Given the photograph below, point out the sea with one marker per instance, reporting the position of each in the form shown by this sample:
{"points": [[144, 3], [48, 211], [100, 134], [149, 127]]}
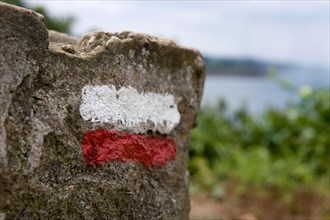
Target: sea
{"points": [[257, 93]]}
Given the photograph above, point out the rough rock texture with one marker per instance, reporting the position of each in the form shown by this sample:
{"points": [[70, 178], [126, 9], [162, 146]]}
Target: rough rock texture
{"points": [[42, 170]]}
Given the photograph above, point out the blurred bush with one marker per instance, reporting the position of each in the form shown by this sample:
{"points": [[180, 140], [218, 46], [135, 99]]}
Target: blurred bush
{"points": [[280, 149]]}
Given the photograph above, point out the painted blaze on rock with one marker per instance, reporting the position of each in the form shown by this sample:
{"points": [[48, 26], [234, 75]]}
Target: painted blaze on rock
{"points": [[105, 104], [101, 145]]}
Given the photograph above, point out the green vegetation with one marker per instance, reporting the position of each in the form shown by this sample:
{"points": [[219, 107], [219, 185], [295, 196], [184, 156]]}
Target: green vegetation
{"points": [[247, 67], [52, 23], [235, 66], [280, 149]]}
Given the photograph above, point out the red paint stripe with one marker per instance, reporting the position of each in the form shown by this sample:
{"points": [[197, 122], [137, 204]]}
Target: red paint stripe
{"points": [[102, 145]]}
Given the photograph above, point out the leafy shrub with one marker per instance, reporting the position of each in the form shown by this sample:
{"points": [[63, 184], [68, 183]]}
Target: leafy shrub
{"points": [[280, 148]]}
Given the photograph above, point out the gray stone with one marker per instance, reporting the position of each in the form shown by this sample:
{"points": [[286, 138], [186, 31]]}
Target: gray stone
{"points": [[42, 169]]}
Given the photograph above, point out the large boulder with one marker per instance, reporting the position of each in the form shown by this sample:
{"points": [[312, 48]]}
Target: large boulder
{"points": [[94, 128]]}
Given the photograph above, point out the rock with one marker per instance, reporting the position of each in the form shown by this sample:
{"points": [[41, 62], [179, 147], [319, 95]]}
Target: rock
{"points": [[44, 74]]}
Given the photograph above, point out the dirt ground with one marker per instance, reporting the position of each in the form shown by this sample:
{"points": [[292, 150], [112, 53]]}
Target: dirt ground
{"points": [[203, 207], [303, 205]]}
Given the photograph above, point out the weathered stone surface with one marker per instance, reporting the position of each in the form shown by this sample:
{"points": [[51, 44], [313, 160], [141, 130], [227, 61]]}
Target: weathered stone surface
{"points": [[42, 172]]}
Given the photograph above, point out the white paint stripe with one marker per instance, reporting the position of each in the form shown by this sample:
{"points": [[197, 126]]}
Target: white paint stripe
{"points": [[107, 105]]}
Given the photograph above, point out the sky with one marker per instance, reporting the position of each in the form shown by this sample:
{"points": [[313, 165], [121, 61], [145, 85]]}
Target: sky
{"points": [[277, 31]]}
